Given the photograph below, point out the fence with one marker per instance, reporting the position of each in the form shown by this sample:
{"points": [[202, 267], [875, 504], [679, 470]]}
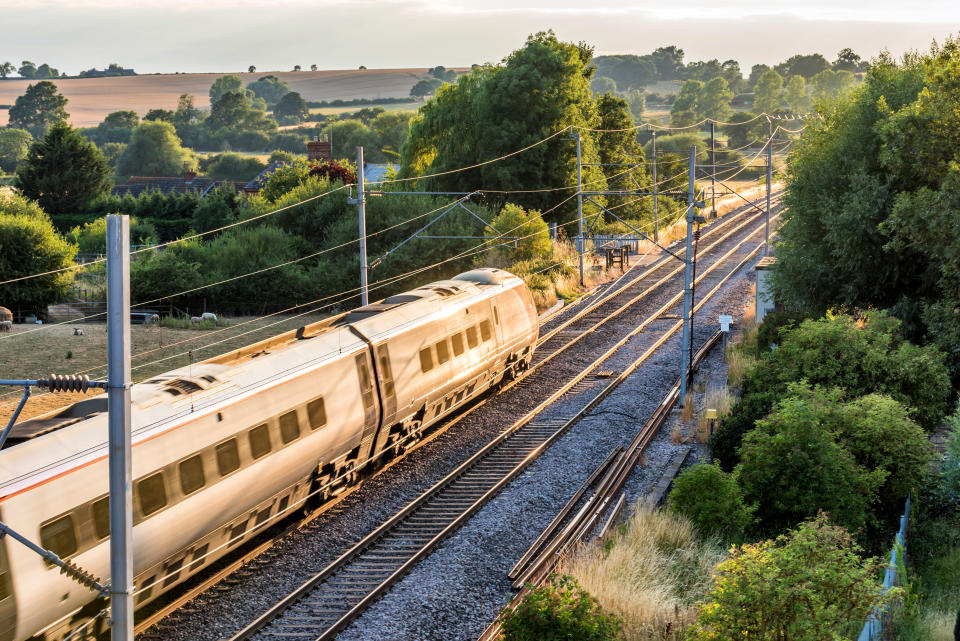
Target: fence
{"points": [[598, 242], [874, 624]]}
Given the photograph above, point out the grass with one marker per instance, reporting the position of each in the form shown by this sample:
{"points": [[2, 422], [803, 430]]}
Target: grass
{"points": [[413, 105], [29, 354], [173, 322], [649, 573], [716, 397]]}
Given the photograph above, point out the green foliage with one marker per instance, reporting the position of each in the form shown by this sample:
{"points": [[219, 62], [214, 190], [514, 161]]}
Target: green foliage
{"points": [[725, 441], [685, 106], [236, 112], [628, 71], [293, 107], [270, 88], [217, 209], [712, 500], [768, 93], [392, 127], [740, 135], [154, 150], [91, 238], [223, 84], [561, 609], [829, 85], [170, 214], [63, 171], [116, 127], [528, 226], [14, 145], [347, 135], [601, 85], [713, 100], [30, 245], [425, 87], [38, 108], [537, 91], [810, 585], [807, 66], [774, 324], [617, 146], [112, 152], [231, 166], [871, 357], [280, 155], [795, 95]]}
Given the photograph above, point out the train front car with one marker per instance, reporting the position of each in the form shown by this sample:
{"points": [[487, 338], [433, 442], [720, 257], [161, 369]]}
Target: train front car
{"points": [[439, 346]]}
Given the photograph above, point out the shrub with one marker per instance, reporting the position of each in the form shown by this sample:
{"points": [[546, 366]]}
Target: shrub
{"points": [[526, 225], [559, 610], [809, 585], [725, 442], [712, 500], [768, 332], [231, 166]]}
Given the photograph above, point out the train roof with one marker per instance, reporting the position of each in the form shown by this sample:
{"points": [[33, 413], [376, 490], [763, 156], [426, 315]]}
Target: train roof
{"points": [[77, 434]]}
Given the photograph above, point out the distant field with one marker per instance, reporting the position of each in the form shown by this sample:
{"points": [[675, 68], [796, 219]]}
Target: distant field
{"points": [[413, 105], [91, 99]]}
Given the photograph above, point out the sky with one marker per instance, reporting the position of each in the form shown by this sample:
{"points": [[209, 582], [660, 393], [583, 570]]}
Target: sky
{"points": [[219, 35]]}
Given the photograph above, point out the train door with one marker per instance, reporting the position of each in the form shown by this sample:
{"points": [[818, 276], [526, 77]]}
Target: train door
{"points": [[385, 376], [368, 396], [8, 605]]}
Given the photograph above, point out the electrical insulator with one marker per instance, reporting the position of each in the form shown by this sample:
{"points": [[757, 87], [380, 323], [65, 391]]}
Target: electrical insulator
{"points": [[69, 383]]}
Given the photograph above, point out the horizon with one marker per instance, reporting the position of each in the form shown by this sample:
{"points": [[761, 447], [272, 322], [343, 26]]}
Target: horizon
{"points": [[392, 34]]}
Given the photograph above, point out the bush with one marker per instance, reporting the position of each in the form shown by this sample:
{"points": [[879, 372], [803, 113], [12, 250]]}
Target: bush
{"points": [[230, 166], [530, 229], [725, 442], [792, 468], [768, 332], [559, 610], [712, 500], [861, 357], [810, 585]]}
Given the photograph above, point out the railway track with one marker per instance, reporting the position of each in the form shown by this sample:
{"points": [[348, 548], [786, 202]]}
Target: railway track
{"points": [[327, 602], [563, 331]]}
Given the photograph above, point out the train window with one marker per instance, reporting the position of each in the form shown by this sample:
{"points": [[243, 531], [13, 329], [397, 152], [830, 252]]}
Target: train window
{"points": [[472, 336], [191, 474], [485, 332], [59, 536], [457, 340], [426, 362], [152, 493], [227, 457], [443, 352], [173, 573], [145, 589], [496, 315], [101, 517], [289, 427], [317, 413], [259, 438], [198, 557]]}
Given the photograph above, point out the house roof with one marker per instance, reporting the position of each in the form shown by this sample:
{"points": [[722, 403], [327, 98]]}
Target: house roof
{"points": [[258, 181], [136, 185]]}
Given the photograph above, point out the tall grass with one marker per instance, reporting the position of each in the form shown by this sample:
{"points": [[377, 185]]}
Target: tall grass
{"points": [[650, 573]]}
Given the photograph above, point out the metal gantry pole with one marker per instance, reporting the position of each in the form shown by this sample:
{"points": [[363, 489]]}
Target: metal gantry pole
{"points": [[766, 233], [688, 285], [713, 173], [118, 404], [362, 212], [581, 243], [656, 222]]}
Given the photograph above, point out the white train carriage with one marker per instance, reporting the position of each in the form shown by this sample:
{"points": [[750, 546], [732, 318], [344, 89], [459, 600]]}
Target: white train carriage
{"points": [[224, 447]]}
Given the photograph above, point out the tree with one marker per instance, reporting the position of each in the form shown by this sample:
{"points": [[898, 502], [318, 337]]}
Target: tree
{"points": [[313, 67], [6, 68], [830, 85], [739, 134], [809, 585], [669, 62], [637, 102], [733, 75], [154, 150], [712, 500], [425, 87], [297, 67], [217, 209], [847, 60], [392, 127], [617, 147], [803, 65], [159, 114], [30, 245], [223, 84], [14, 145], [703, 70], [251, 69], [270, 88], [442, 73], [602, 84], [235, 112], [116, 127], [538, 90], [63, 171], [231, 166], [768, 96], [756, 72], [684, 110], [714, 98], [533, 236], [795, 95], [91, 238], [27, 69], [46, 71], [628, 71], [292, 106], [347, 135], [38, 108]]}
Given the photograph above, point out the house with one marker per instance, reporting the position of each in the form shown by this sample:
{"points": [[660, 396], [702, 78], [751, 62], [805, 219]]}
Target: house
{"points": [[188, 182]]}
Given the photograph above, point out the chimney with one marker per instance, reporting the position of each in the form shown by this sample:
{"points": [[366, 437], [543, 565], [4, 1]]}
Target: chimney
{"points": [[319, 150], [189, 175]]}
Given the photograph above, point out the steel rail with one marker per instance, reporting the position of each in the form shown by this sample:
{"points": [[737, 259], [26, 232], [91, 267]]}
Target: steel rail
{"points": [[388, 563]]}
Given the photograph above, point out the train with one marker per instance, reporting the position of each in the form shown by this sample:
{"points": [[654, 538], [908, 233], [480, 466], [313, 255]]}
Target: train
{"points": [[225, 447]]}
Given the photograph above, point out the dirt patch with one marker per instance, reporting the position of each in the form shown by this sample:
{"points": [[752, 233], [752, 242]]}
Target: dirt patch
{"points": [[27, 354], [91, 99]]}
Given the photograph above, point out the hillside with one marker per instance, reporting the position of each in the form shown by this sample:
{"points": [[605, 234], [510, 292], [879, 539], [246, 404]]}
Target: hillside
{"points": [[93, 98]]}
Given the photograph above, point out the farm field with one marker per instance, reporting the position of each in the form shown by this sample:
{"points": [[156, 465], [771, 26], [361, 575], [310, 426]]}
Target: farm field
{"points": [[91, 99], [42, 353]]}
